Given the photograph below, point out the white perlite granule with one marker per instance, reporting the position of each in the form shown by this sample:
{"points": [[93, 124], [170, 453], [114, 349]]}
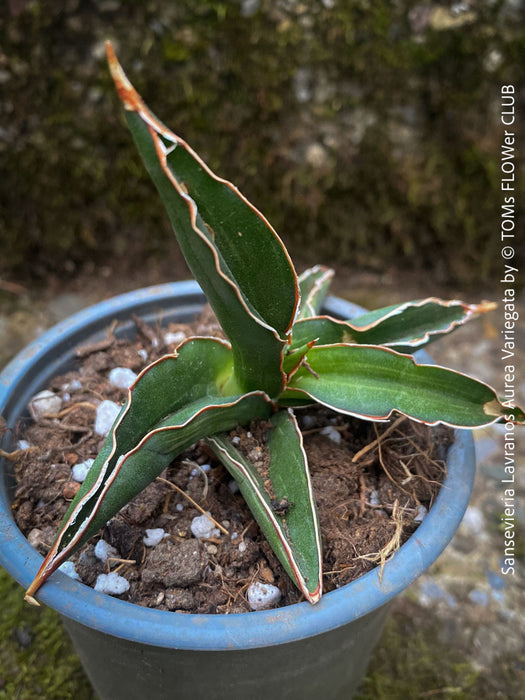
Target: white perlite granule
{"points": [[103, 550], [111, 584], [68, 568], [80, 470], [122, 377], [203, 527], [153, 536], [263, 595], [107, 411], [332, 434], [44, 403]]}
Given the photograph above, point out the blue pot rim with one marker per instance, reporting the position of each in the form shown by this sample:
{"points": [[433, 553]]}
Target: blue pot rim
{"points": [[237, 631]]}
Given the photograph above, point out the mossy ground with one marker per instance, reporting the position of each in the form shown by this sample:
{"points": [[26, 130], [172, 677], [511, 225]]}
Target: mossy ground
{"points": [[37, 659], [411, 662]]}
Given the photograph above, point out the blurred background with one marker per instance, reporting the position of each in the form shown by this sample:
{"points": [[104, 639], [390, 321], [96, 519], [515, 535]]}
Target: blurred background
{"points": [[369, 133]]}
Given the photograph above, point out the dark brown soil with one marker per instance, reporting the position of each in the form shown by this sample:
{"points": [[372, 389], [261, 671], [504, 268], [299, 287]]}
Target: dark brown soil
{"points": [[367, 507]]}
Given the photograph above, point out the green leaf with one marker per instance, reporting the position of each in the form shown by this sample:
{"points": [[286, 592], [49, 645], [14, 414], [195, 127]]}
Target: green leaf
{"points": [[313, 286], [281, 499], [233, 252], [404, 327], [173, 403], [371, 382], [156, 450]]}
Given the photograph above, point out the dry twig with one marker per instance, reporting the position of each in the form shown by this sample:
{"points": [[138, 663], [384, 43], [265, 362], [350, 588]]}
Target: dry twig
{"points": [[194, 504], [375, 442]]}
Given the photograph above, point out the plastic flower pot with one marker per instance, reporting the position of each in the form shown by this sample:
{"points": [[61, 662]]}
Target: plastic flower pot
{"points": [[131, 652]]}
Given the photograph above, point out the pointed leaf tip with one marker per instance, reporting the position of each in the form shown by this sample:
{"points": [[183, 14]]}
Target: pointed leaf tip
{"points": [[32, 601], [483, 307], [230, 247], [126, 92], [294, 533]]}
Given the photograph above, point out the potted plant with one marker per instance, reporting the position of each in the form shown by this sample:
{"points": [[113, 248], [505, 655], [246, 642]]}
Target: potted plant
{"points": [[283, 354]]}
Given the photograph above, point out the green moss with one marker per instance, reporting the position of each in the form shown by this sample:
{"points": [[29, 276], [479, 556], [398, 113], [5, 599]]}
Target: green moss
{"points": [[45, 665], [226, 82], [410, 663]]}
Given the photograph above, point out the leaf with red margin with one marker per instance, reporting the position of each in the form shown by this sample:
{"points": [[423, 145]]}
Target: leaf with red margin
{"points": [[371, 382], [282, 500], [403, 327], [235, 255], [173, 403], [313, 286]]}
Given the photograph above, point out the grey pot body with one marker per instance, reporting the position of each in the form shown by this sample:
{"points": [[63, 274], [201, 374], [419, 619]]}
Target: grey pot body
{"points": [[328, 666]]}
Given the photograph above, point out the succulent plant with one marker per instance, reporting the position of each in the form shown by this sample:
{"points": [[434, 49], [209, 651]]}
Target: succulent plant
{"points": [[282, 355]]}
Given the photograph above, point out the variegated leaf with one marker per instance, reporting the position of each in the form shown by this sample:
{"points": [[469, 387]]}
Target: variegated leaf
{"points": [[220, 233], [371, 382], [173, 403], [403, 327], [281, 499], [313, 286]]}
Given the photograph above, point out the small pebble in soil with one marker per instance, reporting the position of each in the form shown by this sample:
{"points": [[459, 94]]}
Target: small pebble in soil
{"points": [[73, 385], [242, 546], [68, 568], [233, 486], [122, 377], [43, 403], [107, 411], [421, 514], [70, 490], [103, 550], [34, 537], [23, 445], [202, 527], [263, 595], [374, 498], [236, 440], [153, 536], [332, 434], [80, 470], [174, 338], [142, 354], [179, 507], [111, 584], [308, 421]]}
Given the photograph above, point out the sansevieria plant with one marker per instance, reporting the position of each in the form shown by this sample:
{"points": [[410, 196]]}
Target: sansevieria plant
{"points": [[282, 354]]}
